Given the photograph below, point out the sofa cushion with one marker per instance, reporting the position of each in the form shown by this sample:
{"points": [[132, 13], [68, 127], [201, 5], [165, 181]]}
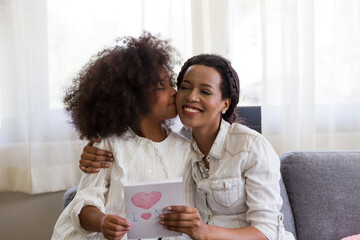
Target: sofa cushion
{"points": [[69, 195], [286, 210], [324, 191]]}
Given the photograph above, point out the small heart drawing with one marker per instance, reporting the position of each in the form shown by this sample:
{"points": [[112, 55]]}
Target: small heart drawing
{"points": [[146, 216], [145, 200]]}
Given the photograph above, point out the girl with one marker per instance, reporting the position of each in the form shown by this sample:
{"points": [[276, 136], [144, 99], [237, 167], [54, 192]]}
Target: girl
{"points": [[123, 95], [235, 169]]}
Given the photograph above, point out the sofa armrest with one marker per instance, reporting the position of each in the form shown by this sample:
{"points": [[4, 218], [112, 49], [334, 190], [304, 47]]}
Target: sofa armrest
{"points": [[324, 191]]}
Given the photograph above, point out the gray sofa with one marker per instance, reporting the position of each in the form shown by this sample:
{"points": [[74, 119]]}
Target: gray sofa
{"points": [[321, 193]]}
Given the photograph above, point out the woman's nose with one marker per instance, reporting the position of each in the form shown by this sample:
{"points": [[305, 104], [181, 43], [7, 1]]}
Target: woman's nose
{"points": [[193, 96]]}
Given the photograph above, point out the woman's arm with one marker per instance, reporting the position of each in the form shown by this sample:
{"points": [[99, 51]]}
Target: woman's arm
{"points": [[262, 174], [112, 226], [93, 158], [187, 220]]}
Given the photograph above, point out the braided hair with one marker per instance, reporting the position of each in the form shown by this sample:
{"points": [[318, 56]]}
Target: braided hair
{"points": [[229, 79]]}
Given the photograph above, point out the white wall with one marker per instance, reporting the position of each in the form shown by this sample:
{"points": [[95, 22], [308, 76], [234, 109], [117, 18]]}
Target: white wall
{"points": [[24, 216]]}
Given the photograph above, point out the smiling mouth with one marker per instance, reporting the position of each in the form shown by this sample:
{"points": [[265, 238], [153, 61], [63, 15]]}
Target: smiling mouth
{"points": [[191, 110]]}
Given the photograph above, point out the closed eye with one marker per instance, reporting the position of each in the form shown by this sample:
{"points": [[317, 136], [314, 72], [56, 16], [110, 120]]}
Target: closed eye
{"points": [[159, 89], [206, 92], [184, 87]]}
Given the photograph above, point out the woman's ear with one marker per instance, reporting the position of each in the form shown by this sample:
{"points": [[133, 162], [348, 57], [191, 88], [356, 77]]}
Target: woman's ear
{"points": [[227, 102]]}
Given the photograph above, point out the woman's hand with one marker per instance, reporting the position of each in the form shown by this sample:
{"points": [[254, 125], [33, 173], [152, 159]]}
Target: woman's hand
{"points": [[186, 220], [92, 158], [114, 227]]}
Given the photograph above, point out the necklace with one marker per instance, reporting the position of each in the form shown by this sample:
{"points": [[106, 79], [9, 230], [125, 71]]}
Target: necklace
{"points": [[204, 171]]}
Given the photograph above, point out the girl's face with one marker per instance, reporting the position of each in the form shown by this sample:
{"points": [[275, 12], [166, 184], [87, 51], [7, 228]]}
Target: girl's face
{"points": [[199, 100], [162, 100]]}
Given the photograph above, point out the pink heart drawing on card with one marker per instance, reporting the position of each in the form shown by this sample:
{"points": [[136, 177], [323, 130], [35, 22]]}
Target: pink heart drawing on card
{"points": [[145, 200], [146, 216]]}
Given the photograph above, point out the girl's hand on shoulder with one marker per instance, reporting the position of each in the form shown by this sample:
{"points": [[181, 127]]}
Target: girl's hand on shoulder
{"points": [[92, 158], [114, 227], [185, 219]]}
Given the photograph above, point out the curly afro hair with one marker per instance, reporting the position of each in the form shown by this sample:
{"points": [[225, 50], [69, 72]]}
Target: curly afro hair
{"points": [[230, 85], [111, 91]]}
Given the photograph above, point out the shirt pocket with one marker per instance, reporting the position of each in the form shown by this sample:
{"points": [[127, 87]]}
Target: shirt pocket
{"points": [[226, 192]]}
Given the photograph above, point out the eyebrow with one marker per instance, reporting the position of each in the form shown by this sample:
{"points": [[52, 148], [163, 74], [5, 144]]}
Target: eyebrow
{"points": [[203, 84]]}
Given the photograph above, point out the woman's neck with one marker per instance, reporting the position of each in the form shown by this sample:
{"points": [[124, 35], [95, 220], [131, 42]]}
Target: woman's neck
{"points": [[152, 130], [205, 136]]}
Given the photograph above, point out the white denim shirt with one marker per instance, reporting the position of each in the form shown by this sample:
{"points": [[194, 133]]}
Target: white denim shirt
{"points": [[242, 187], [137, 159]]}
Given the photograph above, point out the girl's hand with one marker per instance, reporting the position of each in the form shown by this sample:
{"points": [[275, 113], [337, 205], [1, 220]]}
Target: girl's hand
{"points": [[92, 158], [186, 220], [114, 227]]}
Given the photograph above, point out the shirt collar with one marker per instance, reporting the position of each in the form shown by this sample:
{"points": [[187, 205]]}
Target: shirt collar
{"points": [[218, 147]]}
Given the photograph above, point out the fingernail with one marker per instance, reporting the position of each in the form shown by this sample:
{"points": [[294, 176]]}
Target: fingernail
{"points": [[112, 159], [161, 216], [168, 208], [161, 222], [107, 165], [110, 154]]}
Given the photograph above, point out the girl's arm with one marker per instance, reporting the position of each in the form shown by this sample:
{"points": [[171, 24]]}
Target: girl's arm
{"points": [[91, 218], [87, 208], [187, 220], [112, 226], [93, 158]]}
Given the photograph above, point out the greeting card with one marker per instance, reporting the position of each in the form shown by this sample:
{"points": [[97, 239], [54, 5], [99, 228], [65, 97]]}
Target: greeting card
{"points": [[145, 202]]}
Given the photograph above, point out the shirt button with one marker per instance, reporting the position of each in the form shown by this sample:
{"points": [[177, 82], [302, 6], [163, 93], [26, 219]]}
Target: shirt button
{"points": [[198, 189]]}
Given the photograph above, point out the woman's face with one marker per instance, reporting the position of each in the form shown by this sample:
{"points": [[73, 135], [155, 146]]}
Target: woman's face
{"points": [[162, 100], [199, 100]]}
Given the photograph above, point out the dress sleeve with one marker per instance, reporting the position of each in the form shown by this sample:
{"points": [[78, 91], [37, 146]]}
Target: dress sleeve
{"points": [[92, 191], [262, 176]]}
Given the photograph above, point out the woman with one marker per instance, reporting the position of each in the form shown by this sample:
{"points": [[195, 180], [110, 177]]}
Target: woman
{"points": [[236, 170], [123, 95]]}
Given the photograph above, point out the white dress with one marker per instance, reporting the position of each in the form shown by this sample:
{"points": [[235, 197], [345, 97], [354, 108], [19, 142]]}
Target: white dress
{"points": [[137, 159]]}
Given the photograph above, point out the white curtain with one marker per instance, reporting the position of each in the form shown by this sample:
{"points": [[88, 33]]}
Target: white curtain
{"points": [[38, 150], [298, 59], [311, 74], [42, 45]]}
